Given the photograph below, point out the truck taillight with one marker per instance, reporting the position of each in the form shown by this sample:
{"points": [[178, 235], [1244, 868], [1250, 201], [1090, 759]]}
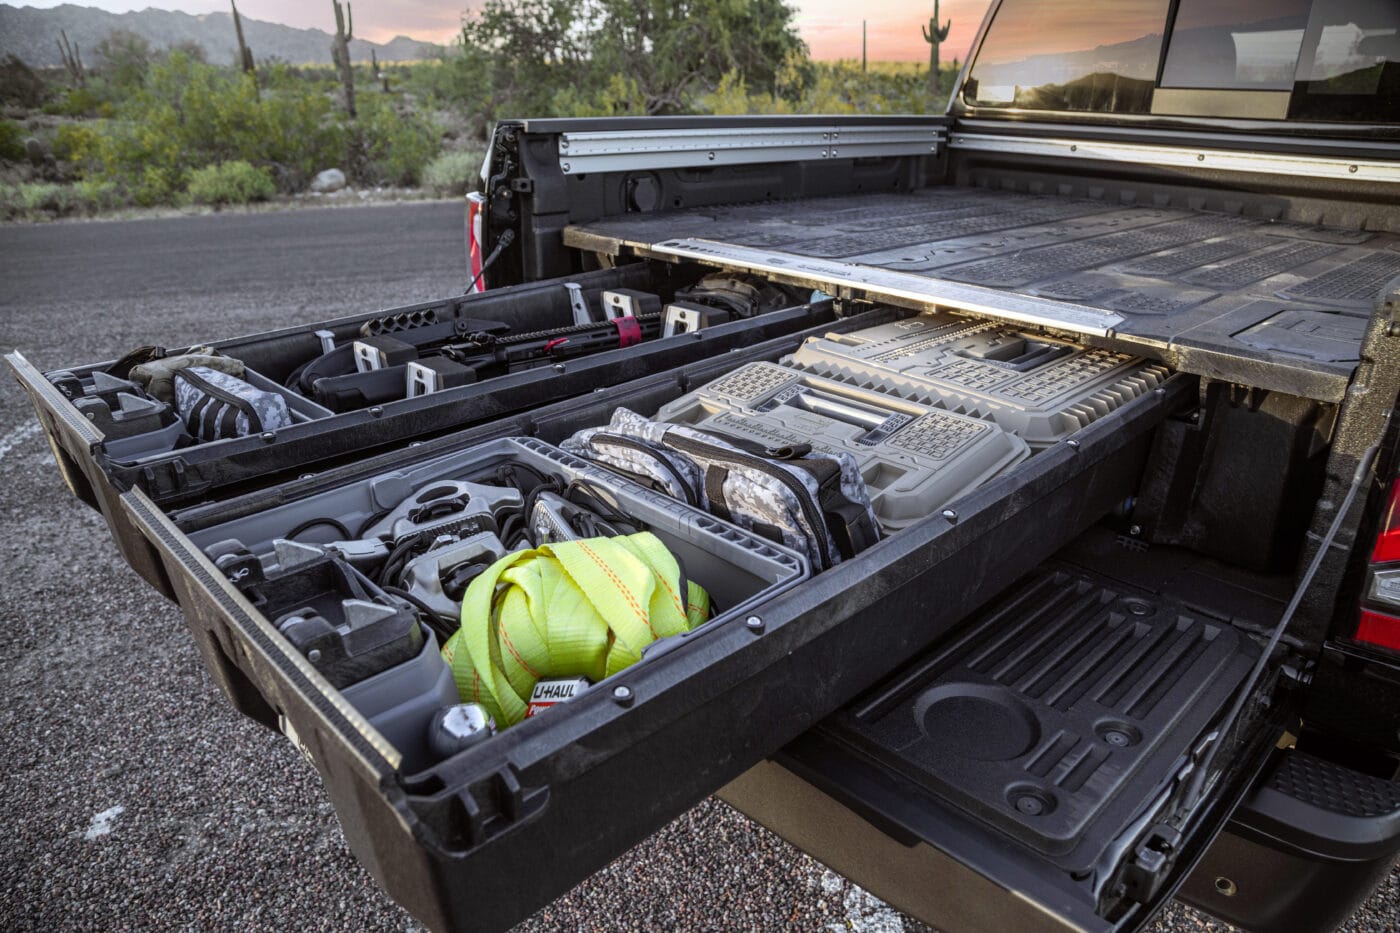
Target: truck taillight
{"points": [[1379, 622], [1388, 538], [1376, 628], [476, 214]]}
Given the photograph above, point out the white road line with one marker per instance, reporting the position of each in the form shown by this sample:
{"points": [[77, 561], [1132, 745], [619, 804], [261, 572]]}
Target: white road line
{"points": [[102, 822], [19, 435]]}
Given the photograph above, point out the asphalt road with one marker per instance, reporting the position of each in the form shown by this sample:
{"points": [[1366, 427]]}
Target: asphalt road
{"points": [[134, 797]]}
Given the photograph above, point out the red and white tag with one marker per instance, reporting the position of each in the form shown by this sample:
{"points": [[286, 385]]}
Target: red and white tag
{"points": [[549, 693]]}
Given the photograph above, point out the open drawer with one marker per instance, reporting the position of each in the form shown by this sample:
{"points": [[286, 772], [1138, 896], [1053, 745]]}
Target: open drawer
{"points": [[369, 383], [482, 837]]}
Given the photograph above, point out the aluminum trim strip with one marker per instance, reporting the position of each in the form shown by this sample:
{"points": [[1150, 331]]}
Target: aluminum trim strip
{"points": [[158, 527], [1373, 170], [612, 151], [58, 404], [990, 302]]}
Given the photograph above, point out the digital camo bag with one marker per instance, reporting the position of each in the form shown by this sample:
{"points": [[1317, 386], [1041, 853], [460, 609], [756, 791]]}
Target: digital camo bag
{"points": [[216, 405], [816, 504]]}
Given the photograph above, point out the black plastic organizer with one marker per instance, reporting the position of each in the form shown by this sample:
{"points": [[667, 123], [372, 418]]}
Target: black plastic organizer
{"points": [[98, 468]]}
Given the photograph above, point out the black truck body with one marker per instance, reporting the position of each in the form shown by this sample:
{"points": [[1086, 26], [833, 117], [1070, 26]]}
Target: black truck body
{"points": [[1155, 657]]}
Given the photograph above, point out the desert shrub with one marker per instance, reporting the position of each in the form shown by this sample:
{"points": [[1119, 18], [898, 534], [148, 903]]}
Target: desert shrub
{"points": [[94, 196], [803, 86], [79, 102], [189, 115], [76, 142], [45, 198], [11, 141], [388, 147], [20, 85], [194, 50], [299, 132], [37, 201], [230, 183], [124, 56], [11, 202], [453, 173]]}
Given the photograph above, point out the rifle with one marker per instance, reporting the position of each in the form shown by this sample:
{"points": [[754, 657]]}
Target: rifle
{"points": [[373, 371]]}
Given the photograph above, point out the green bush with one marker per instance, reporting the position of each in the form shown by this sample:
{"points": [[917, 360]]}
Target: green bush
{"points": [[803, 86], [38, 201], [59, 200], [387, 147], [11, 202], [189, 115], [78, 102], [97, 196], [11, 142], [123, 57], [452, 173], [230, 183], [76, 142]]}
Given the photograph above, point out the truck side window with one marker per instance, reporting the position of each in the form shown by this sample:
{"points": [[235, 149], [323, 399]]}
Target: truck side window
{"points": [[1248, 45], [1053, 55], [1350, 66]]}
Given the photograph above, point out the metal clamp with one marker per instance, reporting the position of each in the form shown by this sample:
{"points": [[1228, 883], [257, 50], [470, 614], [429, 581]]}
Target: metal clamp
{"points": [[577, 304]]}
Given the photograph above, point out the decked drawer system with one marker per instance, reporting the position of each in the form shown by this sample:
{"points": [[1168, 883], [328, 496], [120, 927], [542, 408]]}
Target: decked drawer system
{"points": [[1009, 685]]}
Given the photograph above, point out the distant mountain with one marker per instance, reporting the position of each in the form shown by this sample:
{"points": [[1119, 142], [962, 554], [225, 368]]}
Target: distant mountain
{"points": [[32, 34]]}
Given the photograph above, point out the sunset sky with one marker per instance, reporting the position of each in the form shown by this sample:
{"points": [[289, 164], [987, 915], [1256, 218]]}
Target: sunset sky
{"points": [[825, 24]]}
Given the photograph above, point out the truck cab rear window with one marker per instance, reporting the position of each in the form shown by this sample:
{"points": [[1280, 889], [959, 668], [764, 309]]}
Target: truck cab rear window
{"points": [[1244, 45], [1337, 60], [1349, 68], [1053, 55]]}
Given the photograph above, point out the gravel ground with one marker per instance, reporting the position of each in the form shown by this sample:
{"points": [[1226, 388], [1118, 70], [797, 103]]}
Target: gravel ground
{"points": [[137, 798]]}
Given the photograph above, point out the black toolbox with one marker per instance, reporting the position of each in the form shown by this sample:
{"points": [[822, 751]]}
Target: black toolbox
{"points": [[460, 841]]}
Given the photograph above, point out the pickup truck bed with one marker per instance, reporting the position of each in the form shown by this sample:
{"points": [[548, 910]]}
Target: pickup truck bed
{"points": [[1077, 734], [1196, 285]]}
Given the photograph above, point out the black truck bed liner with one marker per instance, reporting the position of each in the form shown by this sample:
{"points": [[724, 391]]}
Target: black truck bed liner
{"points": [[1211, 292]]}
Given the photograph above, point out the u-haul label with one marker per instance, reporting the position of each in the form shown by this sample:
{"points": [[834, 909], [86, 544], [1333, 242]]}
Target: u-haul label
{"points": [[547, 693]]}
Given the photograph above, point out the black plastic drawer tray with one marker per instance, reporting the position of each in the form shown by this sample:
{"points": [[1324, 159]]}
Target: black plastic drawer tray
{"points": [[459, 843], [736, 568], [98, 468]]}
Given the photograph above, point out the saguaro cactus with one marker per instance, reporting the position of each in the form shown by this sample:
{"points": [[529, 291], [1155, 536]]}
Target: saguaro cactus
{"points": [[340, 52], [374, 70], [933, 35], [245, 54], [72, 59]]}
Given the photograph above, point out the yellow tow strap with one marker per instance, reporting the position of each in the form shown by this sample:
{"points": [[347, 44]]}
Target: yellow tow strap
{"points": [[573, 609]]}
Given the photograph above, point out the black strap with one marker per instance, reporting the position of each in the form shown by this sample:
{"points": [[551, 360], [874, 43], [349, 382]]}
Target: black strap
{"points": [[784, 453], [849, 522], [209, 427], [714, 491], [194, 418], [228, 422], [663, 465]]}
